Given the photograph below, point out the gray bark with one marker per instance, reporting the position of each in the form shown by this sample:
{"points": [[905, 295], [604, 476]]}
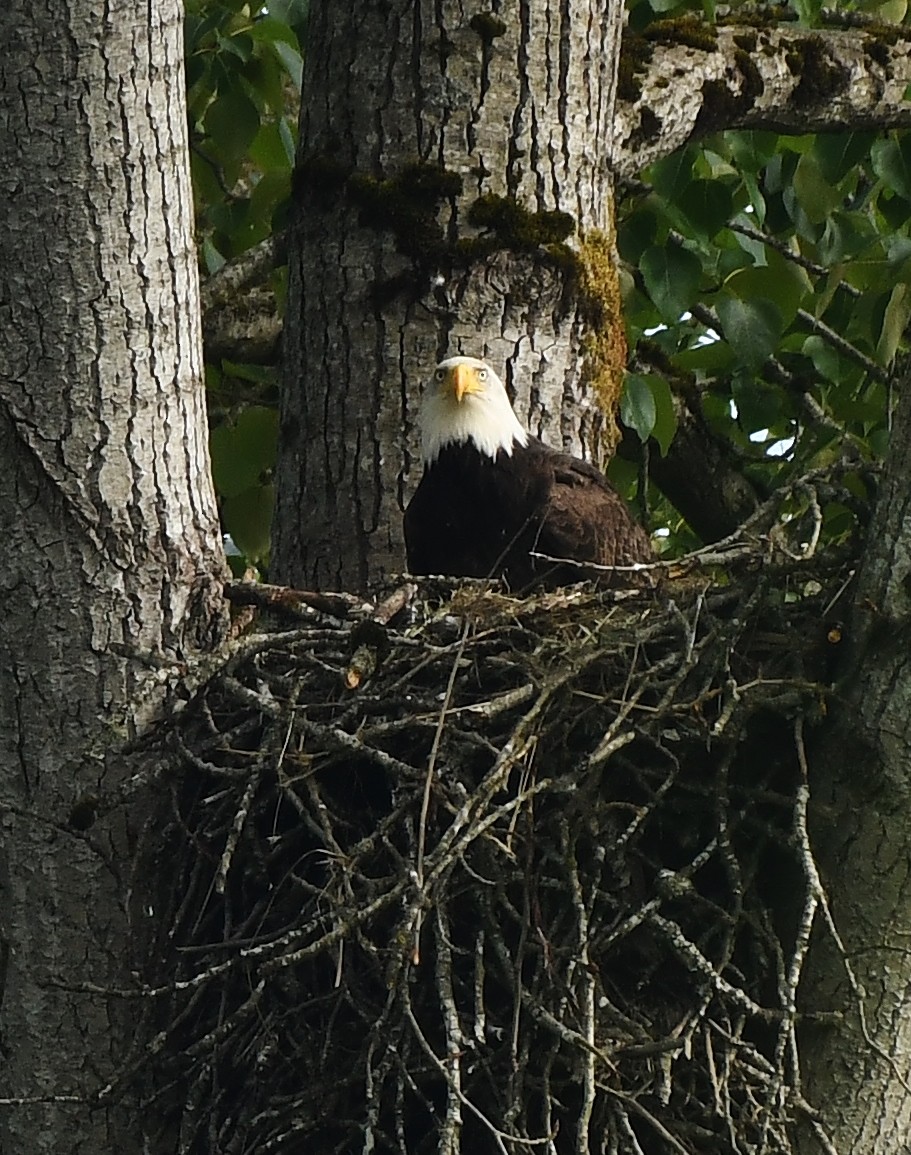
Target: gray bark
{"points": [[519, 106], [685, 79], [111, 561], [240, 313], [858, 1072]]}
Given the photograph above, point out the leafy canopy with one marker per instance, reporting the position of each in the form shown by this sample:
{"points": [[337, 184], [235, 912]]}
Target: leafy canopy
{"points": [[768, 277], [243, 73]]}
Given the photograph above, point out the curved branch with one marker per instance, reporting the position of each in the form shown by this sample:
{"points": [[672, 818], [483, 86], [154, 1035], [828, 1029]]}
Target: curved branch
{"points": [[699, 476], [241, 318], [683, 79]]}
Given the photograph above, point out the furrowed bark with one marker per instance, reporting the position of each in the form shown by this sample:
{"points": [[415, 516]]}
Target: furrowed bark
{"points": [[858, 1072], [414, 117], [111, 562]]}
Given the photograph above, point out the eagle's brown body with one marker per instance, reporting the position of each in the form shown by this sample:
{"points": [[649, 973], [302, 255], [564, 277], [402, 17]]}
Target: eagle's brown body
{"points": [[484, 512]]}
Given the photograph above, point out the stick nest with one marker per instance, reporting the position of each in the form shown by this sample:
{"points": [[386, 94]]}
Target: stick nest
{"points": [[495, 875]]}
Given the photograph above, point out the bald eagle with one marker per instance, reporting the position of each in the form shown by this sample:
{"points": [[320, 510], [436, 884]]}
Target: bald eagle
{"points": [[492, 496]]}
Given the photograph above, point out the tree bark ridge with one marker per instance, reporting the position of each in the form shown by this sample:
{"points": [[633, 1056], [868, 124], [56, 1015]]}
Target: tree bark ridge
{"points": [[111, 563]]}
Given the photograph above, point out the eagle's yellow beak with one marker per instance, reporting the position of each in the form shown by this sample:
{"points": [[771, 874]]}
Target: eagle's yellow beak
{"points": [[465, 380]]}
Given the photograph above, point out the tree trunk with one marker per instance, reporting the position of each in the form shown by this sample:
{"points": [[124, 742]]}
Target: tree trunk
{"points": [[453, 196], [858, 1072], [111, 558]]}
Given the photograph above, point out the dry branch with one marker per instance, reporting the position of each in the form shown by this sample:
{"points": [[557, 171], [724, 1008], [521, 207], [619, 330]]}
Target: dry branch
{"points": [[518, 891]]}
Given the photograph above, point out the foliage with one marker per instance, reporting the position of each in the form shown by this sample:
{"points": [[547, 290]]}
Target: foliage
{"points": [[243, 71], [769, 276], [771, 287]]}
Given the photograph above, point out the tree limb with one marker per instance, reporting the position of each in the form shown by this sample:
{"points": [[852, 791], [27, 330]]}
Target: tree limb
{"points": [[241, 316], [683, 79]]}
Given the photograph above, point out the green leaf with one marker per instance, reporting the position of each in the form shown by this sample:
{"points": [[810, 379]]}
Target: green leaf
{"points": [[288, 135], [211, 256], [896, 211], [752, 328], [892, 163], [781, 282], [247, 517], [636, 233], [846, 235], [272, 31], [752, 150], [292, 12], [757, 200], [815, 195], [828, 362], [895, 322], [261, 374], [244, 452], [710, 359], [272, 191], [293, 62], [892, 11], [670, 176], [268, 149], [839, 153], [637, 405], [807, 11], [708, 205], [671, 275], [759, 405], [665, 413], [240, 46], [232, 120]]}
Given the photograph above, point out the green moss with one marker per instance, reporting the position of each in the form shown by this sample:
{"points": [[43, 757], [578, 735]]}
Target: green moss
{"points": [[600, 305], [83, 813], [764, 16], [487, 26], [746, 40], [821, 77], [753, 86], [890, 34], [468, 249], [686, 30], [877, 51], [407, 205], [562, 257], [635, 56], [322, 177], [878, 40], [637, 49], [410, 282], [720, 106], [514, 227], [647, 130]]}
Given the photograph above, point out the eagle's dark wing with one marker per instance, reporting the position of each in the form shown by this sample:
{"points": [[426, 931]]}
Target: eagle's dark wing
{"points": [[585, 519], [476, 516]]}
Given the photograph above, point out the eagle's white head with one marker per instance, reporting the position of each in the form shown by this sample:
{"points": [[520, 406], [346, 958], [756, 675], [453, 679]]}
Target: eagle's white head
{"points": [[466, 401]]}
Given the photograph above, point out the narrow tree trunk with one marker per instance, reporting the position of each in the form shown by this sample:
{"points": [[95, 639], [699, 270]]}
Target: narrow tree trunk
{"points": [[438, 150], [858, 1072], [110, 555]]}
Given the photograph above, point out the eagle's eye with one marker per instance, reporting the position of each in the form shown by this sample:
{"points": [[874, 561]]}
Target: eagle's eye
{"points": [[440, 374], [482, 374]]}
